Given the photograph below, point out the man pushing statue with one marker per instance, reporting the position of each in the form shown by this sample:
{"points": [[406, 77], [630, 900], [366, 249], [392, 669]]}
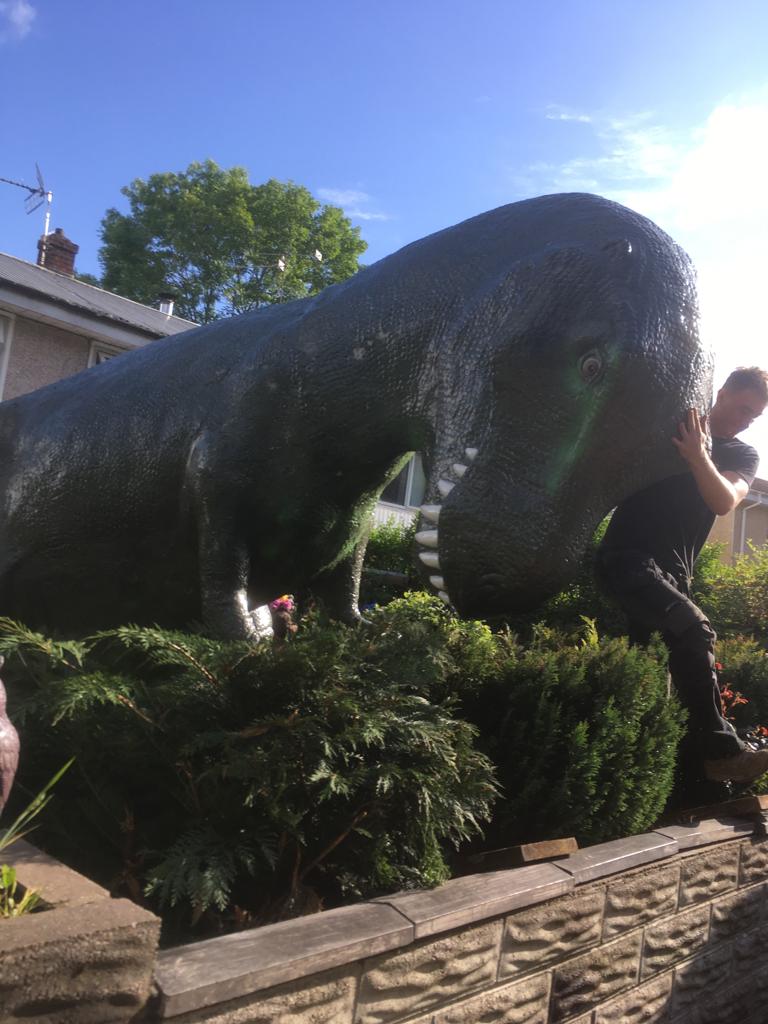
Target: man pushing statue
{"points": [[646, 562]]}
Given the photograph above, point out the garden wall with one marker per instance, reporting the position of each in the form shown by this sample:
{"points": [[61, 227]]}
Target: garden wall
{"points": [[669, 926], [84, 958]]}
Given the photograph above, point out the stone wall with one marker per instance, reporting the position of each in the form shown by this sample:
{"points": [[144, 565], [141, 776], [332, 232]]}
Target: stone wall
{"points": [[666, 927], [84, 959]]}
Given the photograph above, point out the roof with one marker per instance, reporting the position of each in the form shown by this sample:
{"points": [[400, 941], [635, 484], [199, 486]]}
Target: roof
{"points": [[87, 298]]}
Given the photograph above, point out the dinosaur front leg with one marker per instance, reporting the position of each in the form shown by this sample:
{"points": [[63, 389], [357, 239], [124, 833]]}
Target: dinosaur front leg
{"points": [[339, 588], [223, 588], [223, 559]]}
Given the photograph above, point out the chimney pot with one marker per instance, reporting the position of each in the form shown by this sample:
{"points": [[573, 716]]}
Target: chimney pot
{"points": [[165, 301]]}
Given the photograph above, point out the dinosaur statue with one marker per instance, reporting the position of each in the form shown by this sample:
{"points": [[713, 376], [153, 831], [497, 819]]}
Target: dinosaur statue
{"points": [[539, 356]]}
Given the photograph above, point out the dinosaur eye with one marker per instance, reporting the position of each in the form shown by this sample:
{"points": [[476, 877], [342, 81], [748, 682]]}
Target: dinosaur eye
{"points": [[590, 366]]}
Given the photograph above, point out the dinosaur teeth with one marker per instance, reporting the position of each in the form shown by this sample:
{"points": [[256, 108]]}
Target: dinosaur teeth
{"points": [[471, 453], [437, 582], [444, 597], [431, 512], [459, 468], [430, 559], [428, 538], [445, 487]]}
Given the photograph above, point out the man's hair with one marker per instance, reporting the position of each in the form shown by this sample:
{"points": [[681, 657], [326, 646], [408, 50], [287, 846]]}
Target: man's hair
{"points": [[751, 377]]}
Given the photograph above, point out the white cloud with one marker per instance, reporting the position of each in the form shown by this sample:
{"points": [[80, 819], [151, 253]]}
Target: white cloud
{"points": [[353, 203], [706, 187], [555, 113], [16, 17]]}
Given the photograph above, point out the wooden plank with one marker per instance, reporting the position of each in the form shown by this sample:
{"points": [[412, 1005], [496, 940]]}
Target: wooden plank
{"points": [[518, 856]]}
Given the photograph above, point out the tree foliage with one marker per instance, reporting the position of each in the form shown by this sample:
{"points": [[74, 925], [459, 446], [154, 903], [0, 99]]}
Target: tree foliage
{"points": [[218, 242]]}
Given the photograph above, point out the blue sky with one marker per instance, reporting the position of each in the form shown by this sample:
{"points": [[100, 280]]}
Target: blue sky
{"points": [[412, 116]]}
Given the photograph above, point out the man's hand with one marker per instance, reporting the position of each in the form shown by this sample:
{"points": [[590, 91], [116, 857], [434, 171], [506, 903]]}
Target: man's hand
{"points": [[720, 491], [692, 440]]}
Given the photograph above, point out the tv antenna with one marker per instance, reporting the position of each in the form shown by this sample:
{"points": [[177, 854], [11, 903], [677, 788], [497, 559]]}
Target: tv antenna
{"points": [[37, 195]]}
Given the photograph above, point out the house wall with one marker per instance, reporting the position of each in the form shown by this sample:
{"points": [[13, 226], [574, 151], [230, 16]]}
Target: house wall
{"points": [[669, 927], [750, 517], [41, 354], [723, 533]]}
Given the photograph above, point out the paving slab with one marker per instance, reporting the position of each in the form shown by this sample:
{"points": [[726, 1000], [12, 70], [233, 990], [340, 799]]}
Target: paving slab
{"points": [[619, 855], [711, 830], [216, 970], [472, 898]]}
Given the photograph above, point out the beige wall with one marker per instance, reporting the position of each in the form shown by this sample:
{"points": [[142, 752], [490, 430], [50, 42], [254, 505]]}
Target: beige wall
{"points": [[41, 354], [753, 519], [722, 533]]}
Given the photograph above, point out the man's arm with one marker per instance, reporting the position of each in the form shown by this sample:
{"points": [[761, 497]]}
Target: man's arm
{"points": [[722, 492]]}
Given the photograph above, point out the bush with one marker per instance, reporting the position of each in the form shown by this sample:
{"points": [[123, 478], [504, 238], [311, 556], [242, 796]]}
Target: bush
{"points": [[229, 782], [583, 735], [390, 550], [745, 671], [390, 547], [735, 597]]}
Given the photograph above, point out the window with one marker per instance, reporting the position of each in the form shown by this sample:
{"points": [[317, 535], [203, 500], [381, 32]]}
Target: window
{"points": [[101, 352], [408, 486], [6, 330]]}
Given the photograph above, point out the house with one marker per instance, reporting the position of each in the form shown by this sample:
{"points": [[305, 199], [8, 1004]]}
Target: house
{"points": [[52, 325], [748, 523]]}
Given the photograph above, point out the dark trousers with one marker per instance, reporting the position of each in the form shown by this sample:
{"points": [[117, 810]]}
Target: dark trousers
{"points": [[655, 602]]}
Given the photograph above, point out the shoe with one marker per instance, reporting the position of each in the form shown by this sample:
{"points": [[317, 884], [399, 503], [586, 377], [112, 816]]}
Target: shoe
{"points": [[746, 766]]}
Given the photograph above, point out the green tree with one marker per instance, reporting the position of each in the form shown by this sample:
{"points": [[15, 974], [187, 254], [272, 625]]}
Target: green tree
{"points": [[223, 245]]}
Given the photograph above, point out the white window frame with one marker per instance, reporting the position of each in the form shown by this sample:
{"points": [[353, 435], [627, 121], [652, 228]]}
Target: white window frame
{"points": [[410, 470], [7, 324], [100, 351]]}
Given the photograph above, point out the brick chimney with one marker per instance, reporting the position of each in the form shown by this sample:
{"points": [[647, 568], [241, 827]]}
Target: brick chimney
{"points": [[57, 252]]}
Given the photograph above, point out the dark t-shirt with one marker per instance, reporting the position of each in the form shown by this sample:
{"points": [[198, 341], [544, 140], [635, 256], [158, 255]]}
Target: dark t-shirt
{"points": [[669, 521]]}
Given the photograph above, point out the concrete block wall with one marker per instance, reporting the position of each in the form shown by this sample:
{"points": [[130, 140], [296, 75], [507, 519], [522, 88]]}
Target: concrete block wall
{"points": [[666, 927], [84, 959]]}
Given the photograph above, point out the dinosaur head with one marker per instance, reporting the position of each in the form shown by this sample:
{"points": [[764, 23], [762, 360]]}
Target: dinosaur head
{"points": [[562, 389]]}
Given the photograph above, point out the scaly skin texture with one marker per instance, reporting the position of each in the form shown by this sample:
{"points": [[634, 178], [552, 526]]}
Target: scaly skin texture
{"points": [[555, 338]]}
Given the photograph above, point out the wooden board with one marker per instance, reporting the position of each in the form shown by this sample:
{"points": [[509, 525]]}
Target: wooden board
{"points": [[742, 807], [517, 856]]}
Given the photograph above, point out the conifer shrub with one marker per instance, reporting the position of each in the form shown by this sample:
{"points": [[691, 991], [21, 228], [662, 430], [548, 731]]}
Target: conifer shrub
{"points": [[227, 782], [583, 735], [581, 728]]}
